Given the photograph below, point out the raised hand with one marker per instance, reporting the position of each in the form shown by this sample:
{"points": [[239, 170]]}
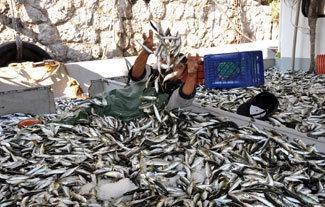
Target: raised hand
{"points": [[148, 40]]}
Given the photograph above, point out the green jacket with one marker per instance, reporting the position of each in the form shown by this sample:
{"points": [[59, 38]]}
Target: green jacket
{"points": [[122, 103]]}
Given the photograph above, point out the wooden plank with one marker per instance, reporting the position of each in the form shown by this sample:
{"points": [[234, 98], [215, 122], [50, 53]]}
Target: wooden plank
{"points": [[34, 101], [246, 121]]}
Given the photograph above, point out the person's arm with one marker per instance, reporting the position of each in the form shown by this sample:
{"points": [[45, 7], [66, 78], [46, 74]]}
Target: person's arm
{"points": [[184, 95], [190, 83], [139, 65]]}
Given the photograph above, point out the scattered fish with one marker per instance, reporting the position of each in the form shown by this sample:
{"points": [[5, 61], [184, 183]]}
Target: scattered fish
{"points": [[170, 158], [301, 97]]}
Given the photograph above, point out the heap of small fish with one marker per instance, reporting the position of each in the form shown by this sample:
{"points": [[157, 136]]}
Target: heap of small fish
{"points": [[301, 97], [184, 159]]}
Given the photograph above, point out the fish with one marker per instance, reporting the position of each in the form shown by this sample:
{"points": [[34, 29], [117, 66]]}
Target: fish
{"points": [[168, 46], [301, 98], [149, 98], [145, 48], [128, 66], [172, 158], [157, 113], [157, 27], [172, 75]]}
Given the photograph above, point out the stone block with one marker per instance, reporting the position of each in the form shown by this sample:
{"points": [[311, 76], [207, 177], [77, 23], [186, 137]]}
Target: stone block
{"points": [[31, 15], [47, 34], [69, 33], [90, 35], [79, 52], [157, 9], [60, 12], [141, 11]]}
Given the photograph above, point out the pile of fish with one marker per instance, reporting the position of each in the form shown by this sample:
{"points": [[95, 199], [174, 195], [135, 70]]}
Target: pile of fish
{"points": [[185, 159], [301, 97]]}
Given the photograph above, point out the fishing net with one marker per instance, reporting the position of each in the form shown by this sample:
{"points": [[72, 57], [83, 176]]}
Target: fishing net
{"points": [[123, 103]]}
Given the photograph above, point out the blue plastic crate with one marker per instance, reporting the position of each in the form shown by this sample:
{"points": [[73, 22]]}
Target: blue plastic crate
{"points": [[233, 70]]}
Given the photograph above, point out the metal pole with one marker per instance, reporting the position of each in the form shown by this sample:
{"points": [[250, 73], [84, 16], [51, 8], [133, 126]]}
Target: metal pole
{"points": [[294, 44]]}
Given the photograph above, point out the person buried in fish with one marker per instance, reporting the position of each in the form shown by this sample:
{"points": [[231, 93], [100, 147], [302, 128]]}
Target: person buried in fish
{"points": [[150, 88], [181, 94]]}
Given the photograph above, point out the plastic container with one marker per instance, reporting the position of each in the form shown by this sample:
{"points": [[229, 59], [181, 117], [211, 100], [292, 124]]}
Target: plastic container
{"points": [[233, 70], [320, 64]]}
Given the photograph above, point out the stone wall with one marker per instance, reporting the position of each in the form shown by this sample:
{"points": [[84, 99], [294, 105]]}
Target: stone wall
{"points": [[76, 30]]}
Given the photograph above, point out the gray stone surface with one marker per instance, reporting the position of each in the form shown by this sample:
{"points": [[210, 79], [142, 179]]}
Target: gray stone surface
{"points": [[90, 35], [77, 3], [79, 52], [69, 33], [3, 6], [47, 34], [60, 12], [58, 51], [30, 14], [7, 34], [140, 12], [82, 17], [96, 51], [79, 30], [157, 9], [2, 27]]}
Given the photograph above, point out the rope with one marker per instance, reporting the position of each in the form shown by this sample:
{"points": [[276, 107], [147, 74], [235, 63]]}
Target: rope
{"points": [[14, 18], [19, 44]]}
